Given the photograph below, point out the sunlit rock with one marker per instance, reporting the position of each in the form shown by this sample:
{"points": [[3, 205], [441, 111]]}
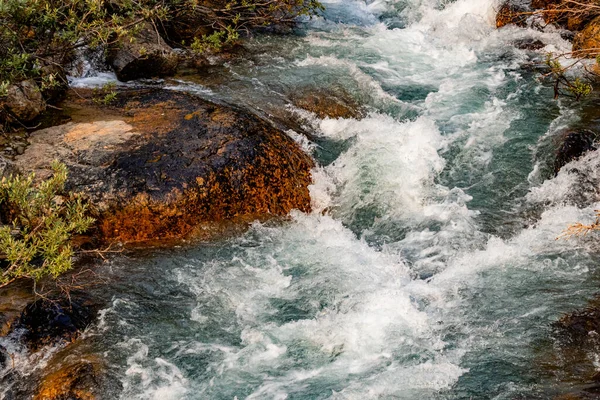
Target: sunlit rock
{"points": [[163, 163], [587, 42]]}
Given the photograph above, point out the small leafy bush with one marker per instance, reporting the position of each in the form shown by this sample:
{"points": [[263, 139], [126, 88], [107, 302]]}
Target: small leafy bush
{"points": [[36, 33], [38, 226]]}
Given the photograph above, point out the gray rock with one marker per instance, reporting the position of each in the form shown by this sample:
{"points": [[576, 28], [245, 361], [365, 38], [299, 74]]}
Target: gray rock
{"points": [[147, 56], [24, 100], [7, 168]]}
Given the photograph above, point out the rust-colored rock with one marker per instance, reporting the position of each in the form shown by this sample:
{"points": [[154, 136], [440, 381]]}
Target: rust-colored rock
{"points": [[573, 16], [79, 380], [510, 14], [168, 162], [543, 4], [332, 103], [587, 42]]}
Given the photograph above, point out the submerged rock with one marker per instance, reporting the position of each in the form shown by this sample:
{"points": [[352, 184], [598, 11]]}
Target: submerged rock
{"points": [[572, 146], [327, 103], [165, 162], [529, 44], [24, 101], [577, 337], [146, 56]]}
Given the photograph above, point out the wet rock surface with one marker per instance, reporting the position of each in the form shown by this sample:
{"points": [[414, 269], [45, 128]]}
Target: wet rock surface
{"points": [[4, 357], [512, 13], [145, 57], [577, 340], [160, 163], [50, 321], [79, 379], [13, 300], [573, 145], [327, 103], [529, 44]]}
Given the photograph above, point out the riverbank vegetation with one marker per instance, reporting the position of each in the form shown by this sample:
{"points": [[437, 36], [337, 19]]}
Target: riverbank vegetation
{"points": [[37, 222], [39, 39]]}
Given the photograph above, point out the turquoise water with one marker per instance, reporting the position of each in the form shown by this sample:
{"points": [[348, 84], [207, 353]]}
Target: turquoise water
{"points": [[429, 267]]}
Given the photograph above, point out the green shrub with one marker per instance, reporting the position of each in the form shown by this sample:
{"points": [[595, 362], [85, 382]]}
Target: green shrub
{"points": [[35, 33], [38, 226]]}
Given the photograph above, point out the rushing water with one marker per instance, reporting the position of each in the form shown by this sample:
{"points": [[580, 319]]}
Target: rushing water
{"points": [[429, 266]]}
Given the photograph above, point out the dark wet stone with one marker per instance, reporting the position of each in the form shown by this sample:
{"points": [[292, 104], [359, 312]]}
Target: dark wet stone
{"points": [[332, 102], [529, 44], [47, 322], [572, 146], [4, 357], [147, 56]]}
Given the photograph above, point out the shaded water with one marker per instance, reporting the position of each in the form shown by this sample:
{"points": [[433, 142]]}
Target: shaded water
{"points": [[429, 266]]}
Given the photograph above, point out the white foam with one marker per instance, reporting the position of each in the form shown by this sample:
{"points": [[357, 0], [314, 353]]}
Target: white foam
{"points": [[147, 378]]}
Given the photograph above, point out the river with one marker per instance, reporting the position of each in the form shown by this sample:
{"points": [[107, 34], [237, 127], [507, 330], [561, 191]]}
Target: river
{"points": [[429, 267]]}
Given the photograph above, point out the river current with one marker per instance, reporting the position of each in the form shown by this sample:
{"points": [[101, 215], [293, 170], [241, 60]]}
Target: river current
{"points": [[429, 267]]}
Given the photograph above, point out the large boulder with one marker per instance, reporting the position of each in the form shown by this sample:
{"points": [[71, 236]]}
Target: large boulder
{"points": [[24, 101], [165, 163], [587, 42], [571, 16], [146, 56]]}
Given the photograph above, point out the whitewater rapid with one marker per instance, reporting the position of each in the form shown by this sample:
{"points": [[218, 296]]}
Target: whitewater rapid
{"points": [[429, 267]]}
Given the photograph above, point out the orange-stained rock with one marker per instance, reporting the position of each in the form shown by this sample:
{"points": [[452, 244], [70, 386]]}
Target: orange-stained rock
{"points": [[166, 162], [75, 380], [543, 4], [573, 16], [510, 14], [587, 42]]}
